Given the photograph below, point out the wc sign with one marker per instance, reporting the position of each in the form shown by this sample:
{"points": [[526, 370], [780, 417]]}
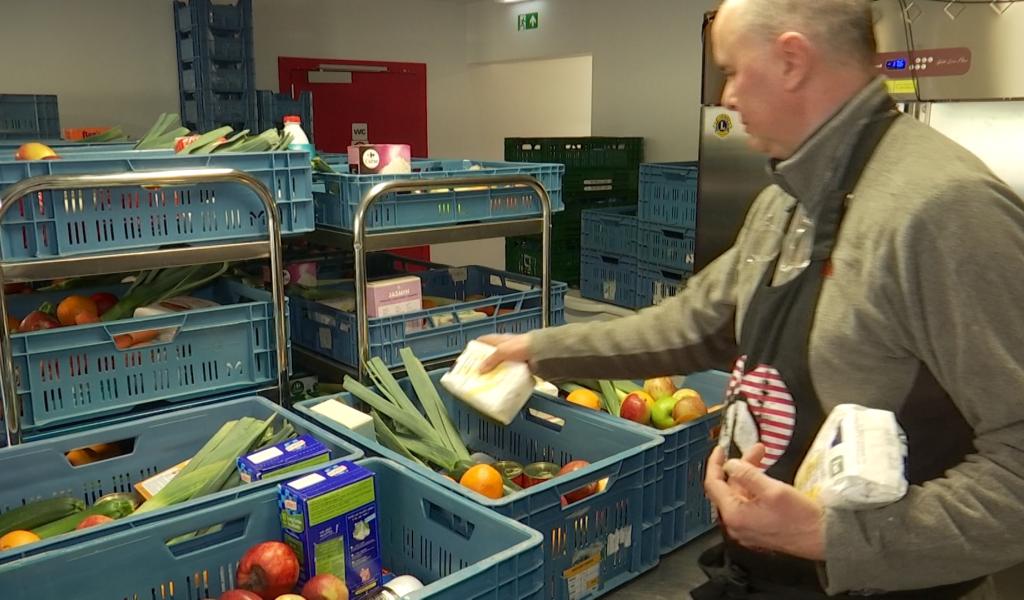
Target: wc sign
{"points": [[360, 133]]}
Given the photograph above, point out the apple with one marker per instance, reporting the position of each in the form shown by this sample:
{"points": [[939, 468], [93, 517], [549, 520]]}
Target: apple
{"points": [[636, 409], [659, 387], [289, 597], [647, 398], [582, 492], [93, 520], [688, 407], [237, 594], [270, 569], [34, 151], [661, 414], [325, 587]]}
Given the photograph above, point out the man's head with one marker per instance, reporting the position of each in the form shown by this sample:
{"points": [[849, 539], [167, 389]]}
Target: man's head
{"points": [[790, 64]]}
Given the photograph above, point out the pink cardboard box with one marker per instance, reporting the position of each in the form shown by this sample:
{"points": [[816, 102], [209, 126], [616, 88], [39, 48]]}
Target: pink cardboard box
{"points": [[390, 297]]}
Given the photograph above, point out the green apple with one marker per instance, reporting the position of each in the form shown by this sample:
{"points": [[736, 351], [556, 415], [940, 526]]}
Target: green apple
{"points": [[661, 413]]}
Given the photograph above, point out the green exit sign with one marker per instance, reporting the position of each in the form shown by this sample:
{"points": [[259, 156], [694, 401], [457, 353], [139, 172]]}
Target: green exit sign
{"points": [[528, 21]]}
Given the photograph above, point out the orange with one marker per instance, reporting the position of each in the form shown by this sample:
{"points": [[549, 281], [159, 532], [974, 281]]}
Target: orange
{"points": [[585, 397], [76, 310], [18, 537], [484, 480]]}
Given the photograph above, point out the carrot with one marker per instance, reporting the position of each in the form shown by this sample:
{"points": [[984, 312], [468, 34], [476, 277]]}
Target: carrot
{"points": [[135, 338]]}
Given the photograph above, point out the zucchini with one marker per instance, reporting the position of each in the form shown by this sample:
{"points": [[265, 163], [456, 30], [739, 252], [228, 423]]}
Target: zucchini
{"points": [[38, 513], [114, 508]]}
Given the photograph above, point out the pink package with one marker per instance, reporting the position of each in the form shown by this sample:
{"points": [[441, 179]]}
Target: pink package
{"points": [[391, 297], [367, 159]]}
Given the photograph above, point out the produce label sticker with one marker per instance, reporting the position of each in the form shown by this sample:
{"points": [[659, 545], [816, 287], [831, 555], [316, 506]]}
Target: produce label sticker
{"points": [[621, 538], [584, 577], [326, 342]]}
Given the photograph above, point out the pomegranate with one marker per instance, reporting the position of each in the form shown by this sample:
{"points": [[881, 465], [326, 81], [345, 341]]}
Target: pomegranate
{"points": [[582, 492], [270, 569], [325, 587]]}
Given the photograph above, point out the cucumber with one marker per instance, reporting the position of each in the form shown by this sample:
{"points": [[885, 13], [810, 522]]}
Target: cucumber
{"points": [[114, 508], [38, 513]]}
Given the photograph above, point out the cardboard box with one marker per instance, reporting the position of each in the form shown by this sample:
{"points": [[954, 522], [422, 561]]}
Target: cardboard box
{"points": [[395, 296], [329, 518], [290, 455]]}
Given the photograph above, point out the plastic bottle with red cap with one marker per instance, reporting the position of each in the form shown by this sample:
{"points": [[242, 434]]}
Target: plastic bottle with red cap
{"points": [[293, 125]]}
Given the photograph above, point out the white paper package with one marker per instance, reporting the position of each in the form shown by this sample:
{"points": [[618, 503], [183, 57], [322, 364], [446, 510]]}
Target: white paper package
{"points": [[857, 460], [499, 394]]}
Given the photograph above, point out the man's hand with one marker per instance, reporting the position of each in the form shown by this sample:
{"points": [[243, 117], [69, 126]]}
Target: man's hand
{"points": [[764, 513], [508, 347]]}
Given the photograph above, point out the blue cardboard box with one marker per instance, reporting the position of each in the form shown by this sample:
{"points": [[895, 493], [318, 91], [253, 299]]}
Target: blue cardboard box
{"points": [[329, 518], [290, 455]]}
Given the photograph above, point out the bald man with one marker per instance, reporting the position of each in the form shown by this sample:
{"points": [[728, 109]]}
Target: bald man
{"points": [[881, 268]]}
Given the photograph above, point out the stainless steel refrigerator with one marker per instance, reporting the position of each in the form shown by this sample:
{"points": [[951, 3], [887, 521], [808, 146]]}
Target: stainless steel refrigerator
{"points": [[953, 65]]}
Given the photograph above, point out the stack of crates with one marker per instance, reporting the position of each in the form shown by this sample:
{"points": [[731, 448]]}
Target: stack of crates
{"points": [[599, 172], [216, 64], [637, 258], [29, 116], [273, 108]]}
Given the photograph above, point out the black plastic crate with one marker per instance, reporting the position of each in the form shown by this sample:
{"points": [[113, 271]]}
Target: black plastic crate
{"points": [[578, 152]]}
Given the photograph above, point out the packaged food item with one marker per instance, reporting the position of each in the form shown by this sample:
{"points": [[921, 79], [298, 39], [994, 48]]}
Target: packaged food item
{"points": [[290, 455], [348, 417], [173, 305], [395, 296], [857, 460], [329, 518], [499, 394], [366, 159]]}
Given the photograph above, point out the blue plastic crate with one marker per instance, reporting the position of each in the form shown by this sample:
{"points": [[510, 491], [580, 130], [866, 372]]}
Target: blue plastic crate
{"points": [[686, 512], [433, 333], [7, 147], [205, 111], [668, 194], [612, 279], [610, 231], [96, 220], [461, 551], [338, 196], [621, 520], [667, 247], [73, 374], [654, 284], [217, 79], [29, 116], [39, 470], [272, 108]]}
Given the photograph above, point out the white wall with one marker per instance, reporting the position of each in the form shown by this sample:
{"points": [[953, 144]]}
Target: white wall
{"points": [[534, 98], [111, 62], [647, 60]]}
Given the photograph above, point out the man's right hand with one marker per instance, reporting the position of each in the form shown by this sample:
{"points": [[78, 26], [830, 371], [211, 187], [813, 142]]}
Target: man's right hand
{"points": [[508, 347]]}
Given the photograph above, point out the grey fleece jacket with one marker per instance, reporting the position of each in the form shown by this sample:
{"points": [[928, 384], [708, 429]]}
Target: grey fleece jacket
{"points": [[926, 291]]}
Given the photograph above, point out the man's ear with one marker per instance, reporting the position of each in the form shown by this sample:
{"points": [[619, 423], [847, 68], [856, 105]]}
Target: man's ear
{"points": [[796, 54]]}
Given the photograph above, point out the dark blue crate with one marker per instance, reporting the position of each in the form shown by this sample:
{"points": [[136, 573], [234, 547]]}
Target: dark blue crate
{"points": [[29, 117], [458, 549], [610, 231], [667, 247], [622, 519], [39, 470], [433, 333], [206, 111], [655, 284], [273, 108], [608, 278], [225, 80], [339, 194], [96, 220], [73, 374], [668, 194]]}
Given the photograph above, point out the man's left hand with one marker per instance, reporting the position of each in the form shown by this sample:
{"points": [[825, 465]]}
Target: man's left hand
{"points": [[764, 513]]}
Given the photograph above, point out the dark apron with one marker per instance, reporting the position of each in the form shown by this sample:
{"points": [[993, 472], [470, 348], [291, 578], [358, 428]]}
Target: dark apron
{"points": [[774, 362]]}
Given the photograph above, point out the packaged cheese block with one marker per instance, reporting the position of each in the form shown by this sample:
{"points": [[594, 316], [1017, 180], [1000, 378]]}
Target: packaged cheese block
{"points": [[499, 394], [857, 460]]}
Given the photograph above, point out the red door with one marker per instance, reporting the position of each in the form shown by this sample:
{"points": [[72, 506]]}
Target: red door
{"points": [[370, 101]]}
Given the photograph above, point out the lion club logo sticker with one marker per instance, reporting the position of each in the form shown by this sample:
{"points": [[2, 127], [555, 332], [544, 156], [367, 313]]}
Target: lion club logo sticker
{"points": [[761, 410]]}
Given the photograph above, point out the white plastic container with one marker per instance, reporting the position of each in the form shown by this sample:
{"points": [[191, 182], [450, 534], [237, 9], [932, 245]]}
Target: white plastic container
{"points": [[300, 141]]}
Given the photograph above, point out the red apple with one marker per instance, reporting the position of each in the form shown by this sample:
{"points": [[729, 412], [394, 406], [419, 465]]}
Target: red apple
{"points": [[582, 492], [634, 408], [239, 595], [270, 569], [689, 406], [325, 587], [289, 597], [659, 387], [93, 520], [104, 301]]}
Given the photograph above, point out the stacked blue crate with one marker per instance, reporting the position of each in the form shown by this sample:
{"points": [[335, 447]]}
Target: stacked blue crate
{"points": [[216, 65], [273, 108], [28, 117], [667, 232]]}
